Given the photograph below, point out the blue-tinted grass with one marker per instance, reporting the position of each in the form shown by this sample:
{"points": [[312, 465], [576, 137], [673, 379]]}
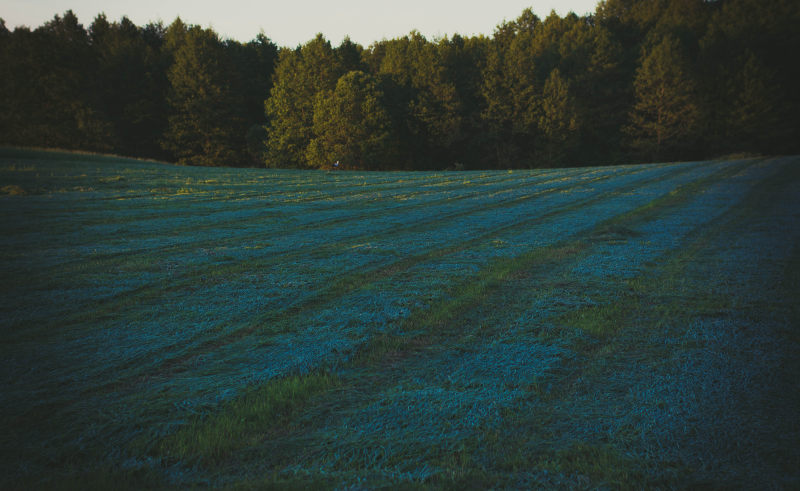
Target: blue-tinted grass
{"points": [[144, 304]]}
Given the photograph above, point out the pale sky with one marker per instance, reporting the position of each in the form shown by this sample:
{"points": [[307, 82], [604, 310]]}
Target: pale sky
{"points": [[293, 22]]}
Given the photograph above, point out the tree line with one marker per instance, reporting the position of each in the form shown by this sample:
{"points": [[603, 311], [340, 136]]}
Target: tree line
{"points": [[637, 80]]}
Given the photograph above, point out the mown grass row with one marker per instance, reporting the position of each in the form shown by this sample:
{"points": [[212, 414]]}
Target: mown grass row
{"points": [[436, 325], [134, 301], [620, 329], [249, 419], [638, 337], [271, 200], [127, 262], [291, 315], [318, 428]]}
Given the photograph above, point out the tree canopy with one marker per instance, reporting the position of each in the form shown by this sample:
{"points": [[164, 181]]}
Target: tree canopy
{"points": [[637, 80]]}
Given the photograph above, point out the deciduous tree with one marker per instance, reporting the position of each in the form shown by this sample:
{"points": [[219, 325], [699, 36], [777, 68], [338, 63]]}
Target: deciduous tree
{"points": [[299, 76], [352, 125], [422, 98]]}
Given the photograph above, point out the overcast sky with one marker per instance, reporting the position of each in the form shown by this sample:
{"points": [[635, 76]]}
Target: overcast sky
{"points": [[293, 22]]}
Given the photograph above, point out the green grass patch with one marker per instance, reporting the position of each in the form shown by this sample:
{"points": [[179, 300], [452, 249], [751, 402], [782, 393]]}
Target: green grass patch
{"points": [[604, 320], [469, 369], [603, 465], [676, 197], [384, 348], [246, 420]]}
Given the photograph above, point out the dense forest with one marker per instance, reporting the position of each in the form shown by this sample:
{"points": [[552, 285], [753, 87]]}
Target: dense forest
{"points": [[638, 80]]}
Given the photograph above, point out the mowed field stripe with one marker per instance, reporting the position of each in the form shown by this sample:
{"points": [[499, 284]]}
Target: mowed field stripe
{"points": [[177, 246], [143, 371], [390, 360], [180, 363], [647, 363], [149, 293], [325, 419], [291, 314]]}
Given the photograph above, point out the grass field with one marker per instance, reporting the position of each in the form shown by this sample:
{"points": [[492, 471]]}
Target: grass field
{"points": [[606, 327]]}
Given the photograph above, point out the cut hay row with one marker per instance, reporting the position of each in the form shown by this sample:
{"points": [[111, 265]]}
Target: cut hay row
{"points": [[515, 330]]}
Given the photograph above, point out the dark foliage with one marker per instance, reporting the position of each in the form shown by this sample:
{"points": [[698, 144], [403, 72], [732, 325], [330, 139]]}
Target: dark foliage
{"points": [[638, 80]]}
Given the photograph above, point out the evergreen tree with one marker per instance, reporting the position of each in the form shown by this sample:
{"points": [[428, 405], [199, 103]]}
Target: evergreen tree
{"points": [[464, 60], [49, 88], [748, 84], [755, 116], [131, 83], [654, 79], [351, 56], [423, 98], [665, 116], [204, 128], [351, 125], [604, 94], [17, 114], [252, 66], [558, 121], [511, 93]]}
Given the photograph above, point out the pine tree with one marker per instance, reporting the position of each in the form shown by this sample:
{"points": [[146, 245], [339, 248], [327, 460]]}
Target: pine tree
{"points": [[50, 88], [130, 85], [665, 116], [511, 92], [755, 115], [253, 64], [749, 82], [605, 95], [558, 121], [464, 60], [204, 128]]}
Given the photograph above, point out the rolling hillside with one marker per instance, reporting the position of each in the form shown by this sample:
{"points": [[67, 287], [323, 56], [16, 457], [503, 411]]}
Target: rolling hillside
{"points": [[617, 326]]}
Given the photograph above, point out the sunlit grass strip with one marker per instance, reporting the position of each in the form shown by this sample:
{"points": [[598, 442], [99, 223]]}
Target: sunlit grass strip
{"points": [[359, 279], [644, 306], [604, 320], [675, 319], [270, 204], [596, 320], [751, 205], [432, 199], [455, 314], [207, 347], [678, 195], [448, 320], [274, 320], [604, 465], [428, 325], [155, 289], [658, 300], [247, 419]]}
